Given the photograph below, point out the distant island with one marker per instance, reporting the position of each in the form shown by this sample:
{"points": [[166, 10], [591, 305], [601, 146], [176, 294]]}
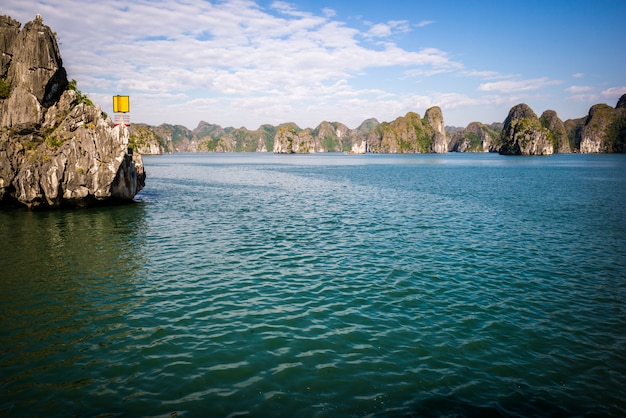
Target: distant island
{"points": [[603, 130], [58, 149]]}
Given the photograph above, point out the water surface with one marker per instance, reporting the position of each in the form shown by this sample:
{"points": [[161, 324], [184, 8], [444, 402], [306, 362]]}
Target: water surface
{"points": [[325, 285]]}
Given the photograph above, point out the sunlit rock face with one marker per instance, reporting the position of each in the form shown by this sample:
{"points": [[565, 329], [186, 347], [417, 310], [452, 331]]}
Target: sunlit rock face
{"points": [[56, 148], [476, 137], [434, 118], [604, 129], [410, 134], [523, 133]]}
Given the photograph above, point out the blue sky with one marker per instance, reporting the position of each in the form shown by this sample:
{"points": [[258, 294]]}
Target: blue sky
{"points": [[245, 63]]}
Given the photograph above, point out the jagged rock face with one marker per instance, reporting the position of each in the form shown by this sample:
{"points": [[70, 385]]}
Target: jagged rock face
{"points": [[9, 31], [327, 137], [434, 117], [411, 134], [337, 137], [523, 133], [593, 134], [476, 137], [145, 141], [402, 135], [604, 129], [359, 145], [55, 149], [214, 138], [34, 72], [557, 134], [177, 138], [261, 145], [289, 141]]}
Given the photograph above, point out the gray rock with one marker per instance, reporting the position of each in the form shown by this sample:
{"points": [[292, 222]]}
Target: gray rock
{"points": [[434, 117], [557, 133], [56, 148], [523, 133]]}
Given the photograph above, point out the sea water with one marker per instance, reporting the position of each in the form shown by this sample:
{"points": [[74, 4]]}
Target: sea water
{"points": [[324, 285]]}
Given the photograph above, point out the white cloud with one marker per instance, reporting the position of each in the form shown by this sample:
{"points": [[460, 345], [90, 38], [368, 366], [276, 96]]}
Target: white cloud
{"points": [[424, 23], [578, 75], [613, 92], [239, 62], [579, 89], [383, 30], [328, 12], [482, 74], [511, 86], [590, 95], [379, 30]]}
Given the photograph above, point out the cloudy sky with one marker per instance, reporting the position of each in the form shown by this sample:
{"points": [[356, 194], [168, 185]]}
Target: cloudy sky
{"points": [[245, 63]]}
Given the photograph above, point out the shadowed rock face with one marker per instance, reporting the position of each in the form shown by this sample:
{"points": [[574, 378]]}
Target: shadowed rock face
{"points": [[56, 148], [557, 133]]}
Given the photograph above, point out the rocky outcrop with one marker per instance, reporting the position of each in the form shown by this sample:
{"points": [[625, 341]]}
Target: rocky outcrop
{"points": [[145, 141], [557, 134], [476, 137], [523, 134], [604, 129], [410, 134], [439, 141], [289, 141], [326, 137], [32, 72], [56, 148], [214, 138]]}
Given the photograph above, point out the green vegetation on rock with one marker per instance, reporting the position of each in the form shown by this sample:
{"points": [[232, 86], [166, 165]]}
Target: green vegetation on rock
{"points": [[5, 89], [81, 98]]}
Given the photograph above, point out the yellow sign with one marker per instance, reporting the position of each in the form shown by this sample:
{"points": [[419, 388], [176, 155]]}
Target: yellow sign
{"points": [[121, 104]]}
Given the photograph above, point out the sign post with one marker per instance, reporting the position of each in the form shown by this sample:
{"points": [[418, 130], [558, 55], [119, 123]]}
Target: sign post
{"points": [[121, 106]]}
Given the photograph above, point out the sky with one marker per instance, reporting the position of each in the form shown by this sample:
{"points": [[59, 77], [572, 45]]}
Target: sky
{"points": [[244, 63]]}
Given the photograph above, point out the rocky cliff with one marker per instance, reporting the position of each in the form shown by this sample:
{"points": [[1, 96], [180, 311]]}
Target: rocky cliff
{"points": [[557, 134], [289, 140], [439, 140], [326, 137], [523, 134], [145, 141], [56, 148], [604, 129], [476, 137], [410, 134]]}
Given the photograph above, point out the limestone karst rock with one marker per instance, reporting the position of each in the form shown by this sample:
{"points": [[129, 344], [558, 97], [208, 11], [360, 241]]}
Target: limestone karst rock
{"points": [[434, 117], [476, 137], [289, 141], [523, 133], [604, 129], [56, 148], [557, 133], [326, 137], [411, 134], [145, 141]]}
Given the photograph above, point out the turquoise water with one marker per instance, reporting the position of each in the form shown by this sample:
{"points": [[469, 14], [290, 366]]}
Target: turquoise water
{"points": [[325, 285]]}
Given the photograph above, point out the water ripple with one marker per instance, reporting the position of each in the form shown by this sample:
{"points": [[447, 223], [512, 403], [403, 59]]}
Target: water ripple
{"points": [[383, 286]]}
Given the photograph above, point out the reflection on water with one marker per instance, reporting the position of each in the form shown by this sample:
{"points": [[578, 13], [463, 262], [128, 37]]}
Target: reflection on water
{"points": [[67, 277]]}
